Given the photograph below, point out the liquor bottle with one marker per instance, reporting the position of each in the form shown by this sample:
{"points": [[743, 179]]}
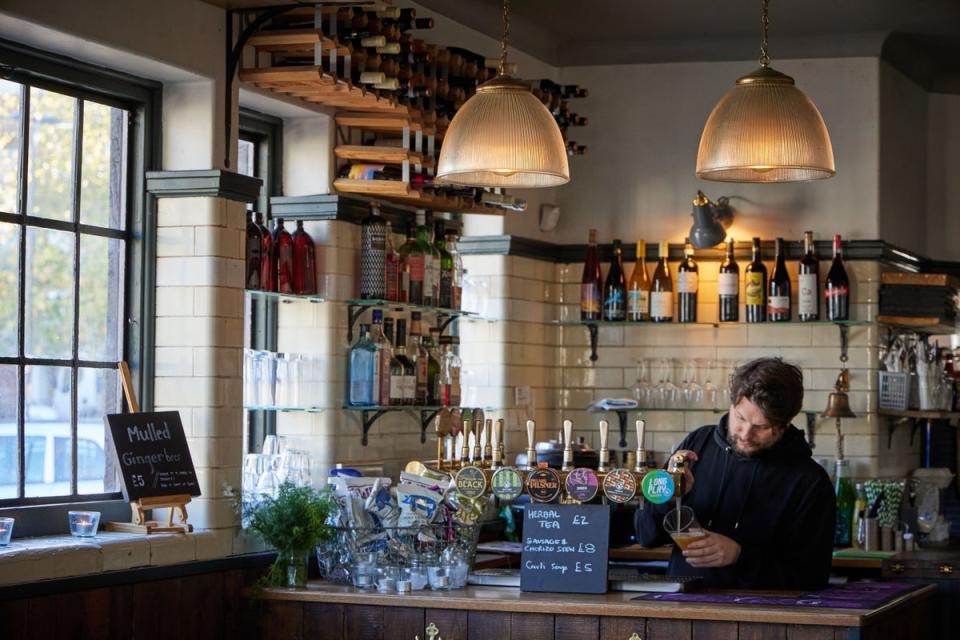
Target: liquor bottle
{"points": [[413, 264], [406, 378], [859, 509], [456, 289], [615, 288], [448, 380], [445, 284], [755, 286], [661, 288], [283, 254], [846, 497], [363, 374], [391, 271], [728, 286], [638, 290], [304, 262], [373, 234], [688, 282], [591, 286], [268, 261], [382, 339], [253, 250], [778, 296], [418, 354], [836, 288], [431, 260], [434, 359], [808, 282]]}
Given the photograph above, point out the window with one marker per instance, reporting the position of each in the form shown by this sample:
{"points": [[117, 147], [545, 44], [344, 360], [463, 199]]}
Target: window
{"points": [[73, 147]]}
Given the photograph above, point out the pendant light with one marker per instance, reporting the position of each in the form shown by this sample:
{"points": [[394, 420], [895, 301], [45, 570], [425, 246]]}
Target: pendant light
{"points": [[503, 136], [765, 130]]}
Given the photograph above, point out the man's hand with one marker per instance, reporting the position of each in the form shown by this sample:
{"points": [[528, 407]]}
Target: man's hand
{"points": [[713, 550], [691, 456]]}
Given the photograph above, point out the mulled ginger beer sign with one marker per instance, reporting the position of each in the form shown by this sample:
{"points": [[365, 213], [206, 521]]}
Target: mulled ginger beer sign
{"points": [[565, 548]]}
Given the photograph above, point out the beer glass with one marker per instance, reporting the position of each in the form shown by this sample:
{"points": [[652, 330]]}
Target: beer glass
{"points": [[682, 526]]}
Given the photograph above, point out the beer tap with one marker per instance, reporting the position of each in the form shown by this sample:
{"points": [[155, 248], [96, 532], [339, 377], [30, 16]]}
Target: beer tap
{"points": [[641, 463], [440, 438], [503, 457], [487, 447], [496, 454], [475, 454], [531, 447], [677, 468], [567, 446], [604, 452], [465, 447]]}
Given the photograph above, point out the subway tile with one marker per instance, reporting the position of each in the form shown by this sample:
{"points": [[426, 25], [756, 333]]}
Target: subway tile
{"points": [[188, 391], [775, 335], [173, 361], [188, 212], [218, 301], [175, 241], [593, 377], [218, 241], [235, 214], [174, 301], [198, 332], [219, 361], [219, 422], [200, 271]]}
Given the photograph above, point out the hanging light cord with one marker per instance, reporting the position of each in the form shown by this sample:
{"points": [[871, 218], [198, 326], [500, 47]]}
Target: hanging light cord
{"points": [[506, 36], [764, 55]]}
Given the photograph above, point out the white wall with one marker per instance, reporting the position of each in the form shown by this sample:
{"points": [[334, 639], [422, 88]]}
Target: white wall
{"points": [[943, 167], [645, 123]]}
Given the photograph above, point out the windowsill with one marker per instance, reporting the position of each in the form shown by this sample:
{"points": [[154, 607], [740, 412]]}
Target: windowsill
{"points": [[27, 560]]}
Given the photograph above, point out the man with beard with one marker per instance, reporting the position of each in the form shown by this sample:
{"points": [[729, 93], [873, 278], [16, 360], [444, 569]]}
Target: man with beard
{"points": [[767, 507]]}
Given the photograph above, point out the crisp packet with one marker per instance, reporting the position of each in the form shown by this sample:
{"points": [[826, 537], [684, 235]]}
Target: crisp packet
{"points": [[381, 506], [418, 505], [431, 482]]}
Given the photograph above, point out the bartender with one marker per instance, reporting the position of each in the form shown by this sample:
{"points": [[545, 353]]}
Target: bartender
{"points": [[767, 507]]}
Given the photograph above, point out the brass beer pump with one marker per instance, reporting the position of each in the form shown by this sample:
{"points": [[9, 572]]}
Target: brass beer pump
{"points": [[604, 464], [531, 445]]}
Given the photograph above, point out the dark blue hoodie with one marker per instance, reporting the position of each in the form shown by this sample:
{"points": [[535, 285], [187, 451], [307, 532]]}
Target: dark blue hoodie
{"points": [[779, 506]]}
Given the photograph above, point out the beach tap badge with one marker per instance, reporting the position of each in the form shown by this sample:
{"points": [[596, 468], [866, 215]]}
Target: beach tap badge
{"points": [[657, 486]]}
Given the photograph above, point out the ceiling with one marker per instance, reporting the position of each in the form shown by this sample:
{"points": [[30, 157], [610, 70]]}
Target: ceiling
{"points": [[595, 32]]}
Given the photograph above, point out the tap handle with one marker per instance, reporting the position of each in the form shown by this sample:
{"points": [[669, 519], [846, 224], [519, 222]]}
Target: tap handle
{"points": [[477, 427], [495, 452], [465, 447], [487, 435], [531, 446], [641, 425], [567, 444], [604, 452]]}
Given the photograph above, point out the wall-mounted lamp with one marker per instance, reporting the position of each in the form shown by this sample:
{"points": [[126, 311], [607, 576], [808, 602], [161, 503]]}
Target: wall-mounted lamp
{"points": [[710, 221]]}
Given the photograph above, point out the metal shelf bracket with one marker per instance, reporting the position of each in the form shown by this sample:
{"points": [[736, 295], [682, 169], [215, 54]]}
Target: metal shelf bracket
{"points": [[594, 331], [426, 417], [369, 417]]}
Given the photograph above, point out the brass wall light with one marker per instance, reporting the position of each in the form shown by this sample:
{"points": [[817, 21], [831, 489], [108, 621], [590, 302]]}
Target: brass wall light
{"points": [[765, 129], [503, 136]]}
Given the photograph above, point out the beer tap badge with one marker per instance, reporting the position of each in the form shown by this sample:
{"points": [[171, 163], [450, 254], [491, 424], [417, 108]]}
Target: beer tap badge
{"points": [[543, 485], [507, 483], [620, 485], [582, 484], [657, 486], [471, 483]]}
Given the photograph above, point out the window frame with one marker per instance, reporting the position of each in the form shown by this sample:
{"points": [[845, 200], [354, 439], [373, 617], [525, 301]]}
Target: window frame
{"points": [[142, 99]]}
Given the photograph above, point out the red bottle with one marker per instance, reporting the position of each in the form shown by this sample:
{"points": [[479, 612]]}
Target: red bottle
{"points": [[268, 262], [283, 255], [304, 262], [254, 247]]}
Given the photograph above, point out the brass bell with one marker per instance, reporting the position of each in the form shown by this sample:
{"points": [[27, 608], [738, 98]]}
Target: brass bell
{"points": [[838, 404]]}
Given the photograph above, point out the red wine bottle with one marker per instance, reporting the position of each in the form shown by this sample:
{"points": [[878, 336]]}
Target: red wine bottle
{"points": [[688, 282], [268, 261], [661, 289], [836, 289], [254, 249], [728, 286], [304, 262], [283, 250], [778, 294], [591, 286], [808, 282], [615, 288], [755, 286]]}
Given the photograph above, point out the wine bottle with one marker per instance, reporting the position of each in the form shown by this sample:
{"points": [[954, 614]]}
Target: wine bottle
{"points": [[407, 378], [688, 282], [808, 282], [591, 286], [778, 297], [638, 290], [254, 250], [615, 288], [391, 270], [431, 264], [836, 288], [755, 286], [445, 286], [283, 250], [304, 262], [418, 353], [373, 235], [661, 289], [728, 286], [413, 263], [846, 497], [268, 262]]}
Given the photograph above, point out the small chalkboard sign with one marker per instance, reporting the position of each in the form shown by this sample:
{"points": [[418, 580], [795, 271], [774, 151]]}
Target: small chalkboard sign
{"points": [[565, 548], [152, 455]]}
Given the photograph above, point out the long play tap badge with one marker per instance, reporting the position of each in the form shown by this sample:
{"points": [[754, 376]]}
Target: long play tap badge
{"points": [[543, 485], [657, 486], [620, 485], [471, 483], [507, 484]]}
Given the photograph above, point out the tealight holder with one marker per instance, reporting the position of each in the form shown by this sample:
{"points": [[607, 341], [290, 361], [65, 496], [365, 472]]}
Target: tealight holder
{"points": [[6, 531], [83, 524]]}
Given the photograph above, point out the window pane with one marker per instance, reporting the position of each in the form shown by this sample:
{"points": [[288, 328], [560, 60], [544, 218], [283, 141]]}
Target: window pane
{"points": [[49, 293], [104, 166], [9, 283], [8, 431], [9, 145], [50, 182], [98, 393], [47, 404], [246, 151], [101, 297]]}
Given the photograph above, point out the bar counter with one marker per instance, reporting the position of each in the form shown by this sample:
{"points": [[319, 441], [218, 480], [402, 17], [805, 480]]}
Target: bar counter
{"points": [[335, 612]]}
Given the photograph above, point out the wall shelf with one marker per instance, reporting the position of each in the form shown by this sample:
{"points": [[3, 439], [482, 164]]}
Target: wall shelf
{"points": [[277, 409], [371, 413], [936, 326], [356, 307], [916, 420], [379, 154], [286, 298]]}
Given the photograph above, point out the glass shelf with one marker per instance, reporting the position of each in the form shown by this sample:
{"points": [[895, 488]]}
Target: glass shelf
{"points": [[405, 306], [647, 323], [411, 407], [284, 409], [283, 297]]}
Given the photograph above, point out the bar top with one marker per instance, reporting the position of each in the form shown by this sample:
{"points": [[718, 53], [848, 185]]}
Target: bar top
{"points": [[610, 604]]}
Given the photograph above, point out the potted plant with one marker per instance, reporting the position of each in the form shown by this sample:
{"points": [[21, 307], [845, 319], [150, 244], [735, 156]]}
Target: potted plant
{"points": [[293, 523]]}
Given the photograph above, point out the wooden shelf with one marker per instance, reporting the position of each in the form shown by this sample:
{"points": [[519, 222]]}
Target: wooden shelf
{"points": [[390, 188], [384, 122], [922, 325], [382, 155], [920, 415], [313, 84], [293, 40]]}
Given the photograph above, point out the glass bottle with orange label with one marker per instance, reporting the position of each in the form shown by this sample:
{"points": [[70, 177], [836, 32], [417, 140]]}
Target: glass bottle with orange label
{"points": [[591, 286], [661, 289], [638, 290], [755, 287]]}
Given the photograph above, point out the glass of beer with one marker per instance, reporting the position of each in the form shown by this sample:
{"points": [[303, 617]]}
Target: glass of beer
{"points": [[682, 526]]}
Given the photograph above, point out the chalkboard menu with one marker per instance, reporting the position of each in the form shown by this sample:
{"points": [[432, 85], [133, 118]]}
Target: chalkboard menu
{"points": [[565, 548], [152, 455]]}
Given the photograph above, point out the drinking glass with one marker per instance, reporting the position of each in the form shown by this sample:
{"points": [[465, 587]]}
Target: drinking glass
{"points": [[642, 389], [267, 482], [249, 377], [266, 379], [682, 526], [666, 396]]}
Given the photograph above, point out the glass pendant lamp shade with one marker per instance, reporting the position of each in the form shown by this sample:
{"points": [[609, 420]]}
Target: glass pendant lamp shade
{"points": [[503, 137], [765, 130]]}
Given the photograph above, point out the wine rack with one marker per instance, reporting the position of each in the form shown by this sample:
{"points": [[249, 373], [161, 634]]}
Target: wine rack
{"points": [[385, 84]]}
